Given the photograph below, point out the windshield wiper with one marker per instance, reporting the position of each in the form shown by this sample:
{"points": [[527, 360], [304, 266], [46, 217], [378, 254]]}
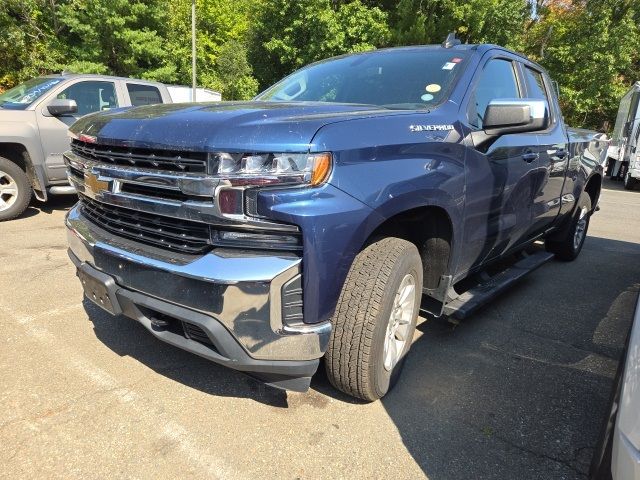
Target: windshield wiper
{"points": [[406, 106]]}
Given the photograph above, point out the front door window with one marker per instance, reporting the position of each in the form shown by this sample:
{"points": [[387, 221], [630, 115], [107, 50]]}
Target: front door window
{"points": [[91, 96]]}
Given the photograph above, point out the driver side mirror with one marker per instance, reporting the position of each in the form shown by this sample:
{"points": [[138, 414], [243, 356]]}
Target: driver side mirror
{"points": [[516, 115], [59, 107]]}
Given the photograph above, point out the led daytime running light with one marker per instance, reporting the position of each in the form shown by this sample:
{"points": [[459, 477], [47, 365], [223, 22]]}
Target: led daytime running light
{"points": [[271, 168]]}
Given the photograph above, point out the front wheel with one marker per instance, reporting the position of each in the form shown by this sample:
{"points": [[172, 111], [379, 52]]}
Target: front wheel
{"points": [[375, 319], [569, 247], [15, 190]]}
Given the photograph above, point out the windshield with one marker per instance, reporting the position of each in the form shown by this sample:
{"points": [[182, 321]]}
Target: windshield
{"points": [[20, 97], [403, 79]]}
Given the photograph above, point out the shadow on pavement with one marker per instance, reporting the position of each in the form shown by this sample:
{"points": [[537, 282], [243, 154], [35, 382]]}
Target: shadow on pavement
{"points": [[127, 337], [519, 390], [616, 185], [55, 202]]}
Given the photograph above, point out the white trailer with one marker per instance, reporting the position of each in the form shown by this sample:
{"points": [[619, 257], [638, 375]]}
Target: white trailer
{"points": [[623, 159], [182, 94]]}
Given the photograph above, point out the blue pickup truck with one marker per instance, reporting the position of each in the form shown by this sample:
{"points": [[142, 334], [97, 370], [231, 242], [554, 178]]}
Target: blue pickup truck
{"points": [[318, 220]]}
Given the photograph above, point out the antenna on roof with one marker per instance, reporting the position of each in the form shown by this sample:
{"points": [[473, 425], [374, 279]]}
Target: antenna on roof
{"points": [[451, 41]]}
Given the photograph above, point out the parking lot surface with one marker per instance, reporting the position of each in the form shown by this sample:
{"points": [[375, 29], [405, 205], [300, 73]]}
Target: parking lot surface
{"points": [[516, 391]]}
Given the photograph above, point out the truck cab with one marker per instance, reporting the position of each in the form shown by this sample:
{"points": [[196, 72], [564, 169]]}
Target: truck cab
{"points": [[34, 120]]}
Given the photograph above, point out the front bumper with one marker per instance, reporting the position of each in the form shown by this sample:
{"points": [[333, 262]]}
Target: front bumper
{"points": [[625, 459], [234, 297]]}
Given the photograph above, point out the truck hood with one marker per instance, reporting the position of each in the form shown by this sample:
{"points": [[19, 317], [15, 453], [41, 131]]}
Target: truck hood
{"points": [[232, 126], [15, 115]]}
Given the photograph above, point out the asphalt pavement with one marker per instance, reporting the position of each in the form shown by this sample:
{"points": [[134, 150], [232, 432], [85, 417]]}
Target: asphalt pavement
{"points": [[517, 391]]}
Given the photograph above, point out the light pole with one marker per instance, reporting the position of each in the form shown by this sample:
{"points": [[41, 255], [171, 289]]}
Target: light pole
{"points": [[193, 50]]}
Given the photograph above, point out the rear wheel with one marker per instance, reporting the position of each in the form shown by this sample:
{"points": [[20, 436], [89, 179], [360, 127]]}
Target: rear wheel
{"points": [[15, 190], [375, 319], [629, 182], [569, 247]]}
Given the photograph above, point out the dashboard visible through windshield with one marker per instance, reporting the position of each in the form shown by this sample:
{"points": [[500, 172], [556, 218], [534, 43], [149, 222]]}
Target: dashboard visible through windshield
{"points": [[419, 78]]}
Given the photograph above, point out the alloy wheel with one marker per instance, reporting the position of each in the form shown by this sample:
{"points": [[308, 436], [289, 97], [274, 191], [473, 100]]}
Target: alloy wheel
{"points": [[399, 325]]}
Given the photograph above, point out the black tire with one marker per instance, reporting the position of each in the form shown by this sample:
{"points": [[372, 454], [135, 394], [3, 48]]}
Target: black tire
{"points": [[600, 468], [355, 358], [566, 248], [10, 172], [609, 169], [630, 183]]}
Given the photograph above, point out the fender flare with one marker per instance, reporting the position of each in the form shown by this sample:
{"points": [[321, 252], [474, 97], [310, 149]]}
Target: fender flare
{"points": [[26, 137]]}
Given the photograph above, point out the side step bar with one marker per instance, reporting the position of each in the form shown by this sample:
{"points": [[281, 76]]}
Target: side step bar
{"points": [[466, 303], [62, 190]]}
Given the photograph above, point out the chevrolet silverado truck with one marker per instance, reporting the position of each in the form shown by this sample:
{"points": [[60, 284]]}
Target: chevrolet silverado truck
{"points": [[34, 118], [317, 221]]}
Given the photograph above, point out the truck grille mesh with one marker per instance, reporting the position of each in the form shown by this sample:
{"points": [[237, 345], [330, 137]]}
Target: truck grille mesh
{"points": [[191, 162], [159, 231]]}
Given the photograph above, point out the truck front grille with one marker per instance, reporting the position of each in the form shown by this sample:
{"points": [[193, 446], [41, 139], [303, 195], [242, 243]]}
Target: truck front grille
{"points": [[190, 162], [170, 201], [159, 231]]}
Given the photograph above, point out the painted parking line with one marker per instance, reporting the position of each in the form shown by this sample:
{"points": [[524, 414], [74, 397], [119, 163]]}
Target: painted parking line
{"points": [[166, 429]]}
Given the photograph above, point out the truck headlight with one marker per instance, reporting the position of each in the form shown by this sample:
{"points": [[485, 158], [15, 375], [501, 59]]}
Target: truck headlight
{"points": [[310, 169]]}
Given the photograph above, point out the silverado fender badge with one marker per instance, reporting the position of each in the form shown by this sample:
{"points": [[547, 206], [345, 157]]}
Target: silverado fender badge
{"points": [[430, 128]]}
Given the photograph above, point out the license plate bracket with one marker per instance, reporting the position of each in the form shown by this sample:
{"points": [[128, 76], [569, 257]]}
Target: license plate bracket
{"points": [[100, 288]]}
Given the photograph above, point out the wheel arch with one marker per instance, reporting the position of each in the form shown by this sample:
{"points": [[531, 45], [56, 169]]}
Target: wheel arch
{"points": [[593, 187], [431, 229], [19, 153]]}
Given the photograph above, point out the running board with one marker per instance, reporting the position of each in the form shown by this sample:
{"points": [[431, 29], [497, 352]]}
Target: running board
{"points": [[62, 190], [466, 303]]}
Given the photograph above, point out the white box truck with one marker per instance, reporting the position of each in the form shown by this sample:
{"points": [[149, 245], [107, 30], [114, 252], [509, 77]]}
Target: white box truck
{"points": [[623, 156]]}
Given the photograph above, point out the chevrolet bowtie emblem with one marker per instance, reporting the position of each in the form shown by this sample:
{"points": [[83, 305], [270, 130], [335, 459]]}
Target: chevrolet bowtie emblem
{"points": [[93, 183]]}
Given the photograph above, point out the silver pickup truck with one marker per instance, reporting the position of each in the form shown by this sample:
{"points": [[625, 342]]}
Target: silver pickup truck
{"points": [[34, 118]]}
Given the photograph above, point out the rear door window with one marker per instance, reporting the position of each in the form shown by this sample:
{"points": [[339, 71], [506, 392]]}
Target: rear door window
{"points": [[535, 84], [91, 96], [536, 88], [143, 94]]}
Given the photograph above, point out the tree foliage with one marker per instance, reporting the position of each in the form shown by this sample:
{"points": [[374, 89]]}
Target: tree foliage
{"points": [[289, 34], [588, 46]]}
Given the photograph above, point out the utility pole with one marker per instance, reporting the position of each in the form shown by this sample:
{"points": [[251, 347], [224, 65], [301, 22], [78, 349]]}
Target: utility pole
{"points": [[193, 50]]}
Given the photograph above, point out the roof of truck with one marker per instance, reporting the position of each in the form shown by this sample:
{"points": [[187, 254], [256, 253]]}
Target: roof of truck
{"points": [[69, 75], [481, 48]]}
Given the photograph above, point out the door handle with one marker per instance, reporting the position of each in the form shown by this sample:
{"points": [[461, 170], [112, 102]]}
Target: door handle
{"points": [[529, 157], [561, 153]]}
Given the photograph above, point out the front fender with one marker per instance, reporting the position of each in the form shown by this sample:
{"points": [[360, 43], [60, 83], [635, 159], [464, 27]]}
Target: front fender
{"points": [[25, 132], [334, 227], [366, 188]]}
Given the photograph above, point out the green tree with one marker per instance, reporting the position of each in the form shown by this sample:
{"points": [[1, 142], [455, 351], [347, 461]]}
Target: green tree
{"points": [[289, 34], [29, 35], [221, 46], [234, 72], [475, 21], [590, 48], [124, 37]]}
